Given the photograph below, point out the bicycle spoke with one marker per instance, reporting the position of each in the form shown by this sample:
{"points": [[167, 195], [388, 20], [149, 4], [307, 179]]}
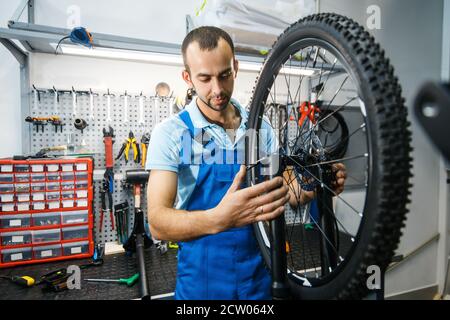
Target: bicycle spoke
{"points": [[365, 155], [326, 187]]}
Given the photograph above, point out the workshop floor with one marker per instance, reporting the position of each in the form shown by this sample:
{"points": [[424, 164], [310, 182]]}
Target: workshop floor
{"points": [[161, 270]]}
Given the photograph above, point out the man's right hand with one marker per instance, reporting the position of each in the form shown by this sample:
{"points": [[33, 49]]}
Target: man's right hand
{"points": [[262, 202]]}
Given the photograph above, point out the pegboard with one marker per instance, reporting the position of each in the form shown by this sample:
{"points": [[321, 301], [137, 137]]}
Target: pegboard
{"points": [[68, 108], [276, 118]]}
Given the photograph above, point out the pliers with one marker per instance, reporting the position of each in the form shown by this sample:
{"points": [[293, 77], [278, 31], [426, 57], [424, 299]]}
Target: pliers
{"points": [[130, 142], [107, 188], [144, 142]]}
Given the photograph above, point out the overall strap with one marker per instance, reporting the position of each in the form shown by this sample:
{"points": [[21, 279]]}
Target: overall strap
{"points": [[184, 116]]}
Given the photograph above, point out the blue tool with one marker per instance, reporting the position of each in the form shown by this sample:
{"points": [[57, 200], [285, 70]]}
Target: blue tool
{"points": [[78, 35]]}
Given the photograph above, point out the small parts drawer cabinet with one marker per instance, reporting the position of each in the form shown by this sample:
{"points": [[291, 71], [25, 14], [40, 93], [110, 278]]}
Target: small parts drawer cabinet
{"points": [[45, 210]]}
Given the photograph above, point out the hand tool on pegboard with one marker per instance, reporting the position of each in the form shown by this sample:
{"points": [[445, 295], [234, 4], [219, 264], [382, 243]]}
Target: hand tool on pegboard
{"points": [[74, 103], [108, 106], [107, 187], [141, 109], [91, 104], [37, 97], [155, 112], [122, 212], [125, 106], [130, 143], [80, 124], [55, 99], [40, 122], [145, 140]]}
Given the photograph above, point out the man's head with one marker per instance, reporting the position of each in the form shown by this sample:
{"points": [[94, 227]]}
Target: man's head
{"points": [[210, 65]]}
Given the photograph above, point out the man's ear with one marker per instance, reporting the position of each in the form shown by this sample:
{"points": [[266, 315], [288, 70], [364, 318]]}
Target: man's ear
{"points": [[187, 78], [236, 67]]}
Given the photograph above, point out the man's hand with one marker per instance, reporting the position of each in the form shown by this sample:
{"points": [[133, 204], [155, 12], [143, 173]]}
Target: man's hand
{"points": [[340, 173], [298, 194], [261, 202]]}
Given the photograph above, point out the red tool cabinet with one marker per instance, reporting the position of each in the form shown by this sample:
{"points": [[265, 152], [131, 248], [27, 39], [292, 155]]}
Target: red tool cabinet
{"points": [[46, 211]]}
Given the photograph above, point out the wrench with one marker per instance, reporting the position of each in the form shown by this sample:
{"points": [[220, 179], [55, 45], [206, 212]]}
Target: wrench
{"points": [[55, 100], [156, 111], [74, 103], [91, 104], [108, 106], [36, 98], [125, 107], [141, 109]]}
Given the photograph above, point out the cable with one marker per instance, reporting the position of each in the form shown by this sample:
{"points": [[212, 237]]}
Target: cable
{"points": [[57, 46]]}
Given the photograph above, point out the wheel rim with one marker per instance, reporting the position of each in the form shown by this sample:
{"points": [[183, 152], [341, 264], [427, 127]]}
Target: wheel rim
{"points": [[303, 268]]}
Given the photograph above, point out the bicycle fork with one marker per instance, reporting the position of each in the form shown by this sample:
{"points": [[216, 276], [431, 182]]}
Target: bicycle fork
{"points": [[280, 287]]}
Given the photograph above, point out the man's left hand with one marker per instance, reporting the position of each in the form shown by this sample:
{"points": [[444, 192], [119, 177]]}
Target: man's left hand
{"points": [[340, 175]]}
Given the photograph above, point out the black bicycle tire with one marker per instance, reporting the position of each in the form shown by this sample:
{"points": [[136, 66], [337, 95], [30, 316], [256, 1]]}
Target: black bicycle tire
{"points": [[389, 139]]}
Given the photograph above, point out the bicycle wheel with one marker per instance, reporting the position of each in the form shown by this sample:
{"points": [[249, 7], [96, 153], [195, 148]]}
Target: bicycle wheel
{"points": [[321, 68]]}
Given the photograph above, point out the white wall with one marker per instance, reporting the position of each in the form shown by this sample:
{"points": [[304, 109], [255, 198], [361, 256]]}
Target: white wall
{"points": [[152, 20], [10, 137]]}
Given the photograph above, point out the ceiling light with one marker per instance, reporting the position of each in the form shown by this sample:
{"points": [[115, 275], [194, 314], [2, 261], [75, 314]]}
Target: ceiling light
{"points": [[162, 58]]}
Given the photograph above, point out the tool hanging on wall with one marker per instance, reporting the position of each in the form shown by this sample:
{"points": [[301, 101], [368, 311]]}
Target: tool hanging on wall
{"points": [[37, 98], [122, 212], [80, 124], [106, 189], [108, 177], [74, 103], [91, 104], [130, 143], [40, 122], [141, 108], [155, 112], [108, 106], [55, 100], [125, 106], [145, 140]]}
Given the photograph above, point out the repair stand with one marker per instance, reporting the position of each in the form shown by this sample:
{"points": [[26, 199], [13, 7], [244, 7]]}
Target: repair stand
{"points": [[138, 240]]}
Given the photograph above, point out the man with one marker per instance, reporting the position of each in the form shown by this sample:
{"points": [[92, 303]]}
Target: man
{"points": [[218, 255]]}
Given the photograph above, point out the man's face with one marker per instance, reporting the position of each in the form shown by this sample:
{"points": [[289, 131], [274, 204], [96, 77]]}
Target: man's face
{"points": [[211, 74]]}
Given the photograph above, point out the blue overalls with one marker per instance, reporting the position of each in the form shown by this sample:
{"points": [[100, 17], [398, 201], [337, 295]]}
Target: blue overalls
{"points": [[227, 265]]}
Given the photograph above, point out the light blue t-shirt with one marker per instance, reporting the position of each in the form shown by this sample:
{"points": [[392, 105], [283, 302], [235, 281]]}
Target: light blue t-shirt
{"points": [[170, 136]]}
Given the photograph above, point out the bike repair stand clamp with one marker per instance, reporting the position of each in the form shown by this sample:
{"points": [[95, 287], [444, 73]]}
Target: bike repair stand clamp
{"points": [[139, 240]]}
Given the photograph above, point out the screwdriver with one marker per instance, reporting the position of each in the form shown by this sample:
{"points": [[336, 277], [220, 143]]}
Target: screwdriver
{"points": [[23, 281], [129, 281]]}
